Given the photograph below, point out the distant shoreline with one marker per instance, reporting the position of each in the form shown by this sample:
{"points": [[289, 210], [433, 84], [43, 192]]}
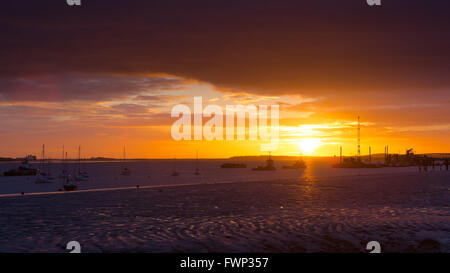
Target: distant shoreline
{"points": [[256, 157]]}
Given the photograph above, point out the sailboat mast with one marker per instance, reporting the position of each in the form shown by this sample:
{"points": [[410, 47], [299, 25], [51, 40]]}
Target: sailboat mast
{"points": [[64, 160], [79, 158], [43, 157]]}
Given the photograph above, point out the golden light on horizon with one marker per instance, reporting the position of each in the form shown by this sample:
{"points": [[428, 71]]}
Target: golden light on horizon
{"points": [[308, 145]]}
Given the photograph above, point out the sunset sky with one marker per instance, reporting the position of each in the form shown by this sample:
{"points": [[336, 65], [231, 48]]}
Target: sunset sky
{"points": [[107, 74]]}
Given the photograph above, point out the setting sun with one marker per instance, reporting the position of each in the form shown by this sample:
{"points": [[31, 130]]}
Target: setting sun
{"points": [[309, 145]]}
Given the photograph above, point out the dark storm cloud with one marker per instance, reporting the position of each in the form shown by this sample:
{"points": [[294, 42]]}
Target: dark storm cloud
{"points": [[92, 87], [265, 46]]}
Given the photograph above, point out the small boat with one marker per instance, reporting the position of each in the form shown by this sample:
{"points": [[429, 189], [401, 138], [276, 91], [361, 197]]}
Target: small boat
{"points": [[69, 184], [269, 166], [299, 164], [125, 172]]}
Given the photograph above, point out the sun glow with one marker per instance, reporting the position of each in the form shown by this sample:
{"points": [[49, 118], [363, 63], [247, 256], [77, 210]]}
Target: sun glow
{"points": [[308, 145]]}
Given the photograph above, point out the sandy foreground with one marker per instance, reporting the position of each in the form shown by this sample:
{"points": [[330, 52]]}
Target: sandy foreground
{"points": [[405, 212]]}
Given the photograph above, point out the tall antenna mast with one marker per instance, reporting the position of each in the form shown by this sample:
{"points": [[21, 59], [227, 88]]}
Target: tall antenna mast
{"points": [[359, 139]]}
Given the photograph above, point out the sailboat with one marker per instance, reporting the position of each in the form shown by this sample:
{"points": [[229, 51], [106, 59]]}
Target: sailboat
{"points": [[64, 172], [175, 173], [69, 183], [41, 176], [197, 171], [125, 171], [80, 176]]}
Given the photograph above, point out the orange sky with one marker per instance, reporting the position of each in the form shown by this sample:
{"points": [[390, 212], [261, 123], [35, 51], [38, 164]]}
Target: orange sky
{"points": [[141, 121]]}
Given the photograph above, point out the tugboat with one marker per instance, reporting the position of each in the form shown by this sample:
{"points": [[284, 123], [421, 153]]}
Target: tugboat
{"points": [[69, 184], [269, 166], [299, 164], [24, 169]]}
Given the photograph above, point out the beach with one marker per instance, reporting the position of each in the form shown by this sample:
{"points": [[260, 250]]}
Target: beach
{"points": [[298, 211]]}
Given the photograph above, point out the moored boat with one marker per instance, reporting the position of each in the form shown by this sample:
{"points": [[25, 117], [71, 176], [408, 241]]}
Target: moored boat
{"points": [[269, 166], [299, 164], [24, 169], [69, 184]]}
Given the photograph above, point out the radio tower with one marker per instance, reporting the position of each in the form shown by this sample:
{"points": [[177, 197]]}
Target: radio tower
{"points": [[359, 140]]}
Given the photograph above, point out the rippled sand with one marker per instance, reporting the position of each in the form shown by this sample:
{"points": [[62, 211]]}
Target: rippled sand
{"points": [[404, 212]]}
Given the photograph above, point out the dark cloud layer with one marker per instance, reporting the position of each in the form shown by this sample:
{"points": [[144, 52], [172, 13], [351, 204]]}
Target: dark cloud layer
{"points": [[266, 46], [91, 87]]}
